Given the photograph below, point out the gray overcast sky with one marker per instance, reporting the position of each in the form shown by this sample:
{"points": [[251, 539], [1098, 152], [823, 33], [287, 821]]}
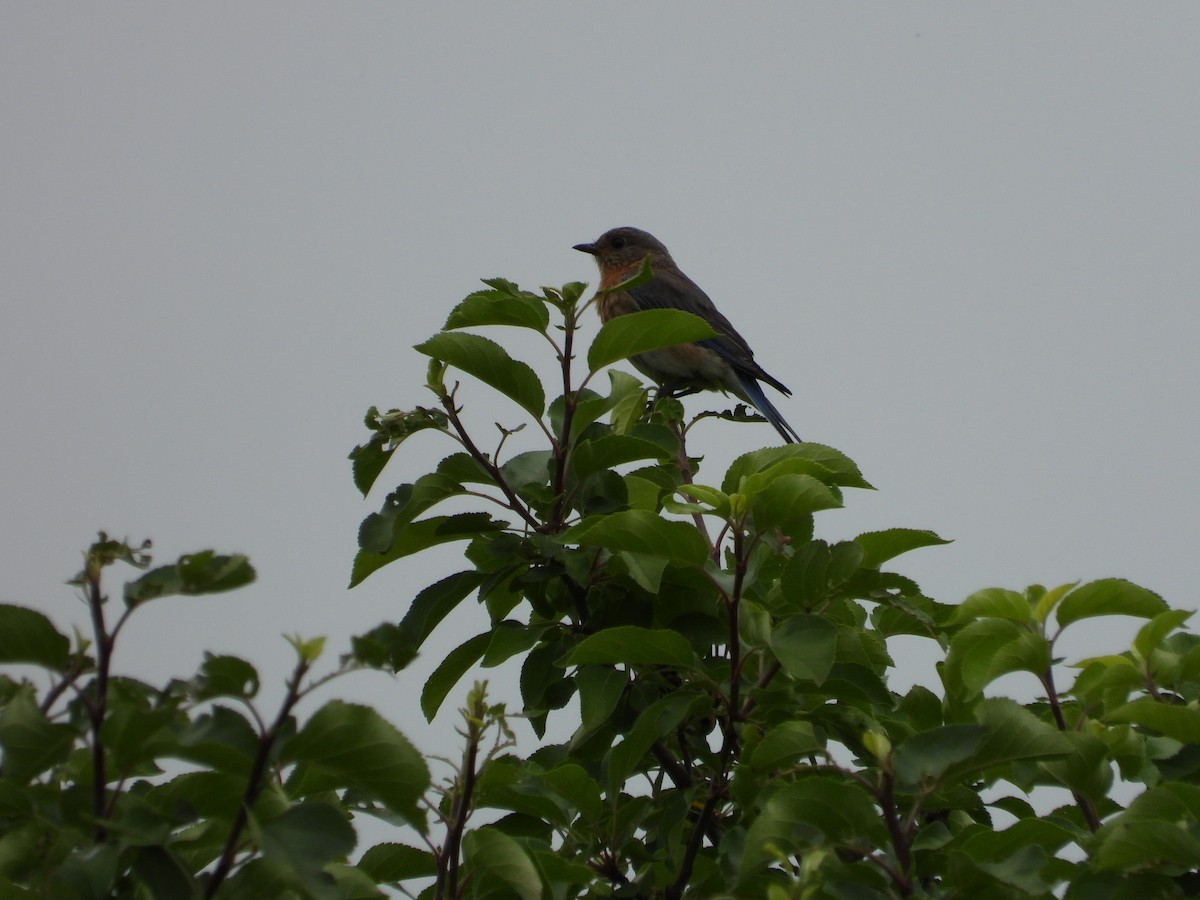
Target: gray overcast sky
{"points": [[965, 234]]}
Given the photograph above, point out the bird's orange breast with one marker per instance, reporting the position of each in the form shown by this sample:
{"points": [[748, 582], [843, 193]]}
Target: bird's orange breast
{"points": [[611, 276], [618, 303]]}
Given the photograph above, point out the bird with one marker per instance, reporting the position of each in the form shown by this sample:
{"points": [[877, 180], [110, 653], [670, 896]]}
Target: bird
{"points": [[723, 363]]}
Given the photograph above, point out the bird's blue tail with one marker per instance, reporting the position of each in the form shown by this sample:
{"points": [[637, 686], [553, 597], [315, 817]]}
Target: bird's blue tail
{"points": [[754, 393]]}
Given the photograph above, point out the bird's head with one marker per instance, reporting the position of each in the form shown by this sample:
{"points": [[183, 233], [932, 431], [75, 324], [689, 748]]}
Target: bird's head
{"points": [[624, 247]]}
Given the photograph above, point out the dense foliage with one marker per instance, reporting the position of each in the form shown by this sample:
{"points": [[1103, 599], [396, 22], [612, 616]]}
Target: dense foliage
{"points": [[725, 671]]}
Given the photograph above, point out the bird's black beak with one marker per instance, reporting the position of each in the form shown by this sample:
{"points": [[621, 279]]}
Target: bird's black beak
{"points": [[585, 248]]}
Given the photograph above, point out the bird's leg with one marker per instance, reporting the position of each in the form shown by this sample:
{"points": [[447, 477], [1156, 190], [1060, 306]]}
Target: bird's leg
{"points": [[673, 390]]}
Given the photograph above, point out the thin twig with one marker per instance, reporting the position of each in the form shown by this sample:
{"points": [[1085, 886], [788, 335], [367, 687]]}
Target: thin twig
{"points": [[254, 782], [447, 875], [68, 680], [685, 474], [563, 445], [514, 502], [98, 706], [901, 840], [720, 778], [1085, 805]]}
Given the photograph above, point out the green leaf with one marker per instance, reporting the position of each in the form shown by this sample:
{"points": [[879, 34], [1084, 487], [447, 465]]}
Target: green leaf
{"points": [[814, 568], [214, 795], [500, 307], [925, 757], [499, 866], [508, 639], [133, 735], [1013, 734], [1179, 722], [988, 648], [1168, 802], [27, 636], [31, 743], [577, 787], [613, 450], [1022, 871], [529, 468], [390, 430], [1086, 770], [225, 676], [422, 535], [395, 646], [639, 531], [561, 871], [105, 552], [789, 502], [600, 689], [752, 485], [220, 739], [855, 685], [639, 332], [544, 683], [1157, 828], [932, 836], [635, 646], [626, 401], [921, 708], [1027, 832], [348, 745], [646, 570], [465, 468], [163, 874], [880, 546], [450, 670], [656, 720], [309, 650], [1151, 635], [491, 364], [195, 573], [401, 506], [85, 874], [784, 744], [643, 493], [807, 814], [350, 882], [710, 496], [307, 836], [1050, 600], [806, 645], [1143, 844], [823, 463], [1109, 597], [629, 408], [21, 851], [994, 603], [367, 462], [391, 863], [260, 877], [508, 784]]}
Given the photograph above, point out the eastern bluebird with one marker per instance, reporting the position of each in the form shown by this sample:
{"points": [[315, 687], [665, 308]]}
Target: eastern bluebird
{"points": [[724, 363]]}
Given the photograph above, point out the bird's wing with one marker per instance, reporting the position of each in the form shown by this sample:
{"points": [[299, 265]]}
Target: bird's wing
{"points": [[673, 290], [754, 393]]}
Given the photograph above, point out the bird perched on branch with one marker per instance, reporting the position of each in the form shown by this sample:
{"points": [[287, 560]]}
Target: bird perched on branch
{"points": [[724, 363]]}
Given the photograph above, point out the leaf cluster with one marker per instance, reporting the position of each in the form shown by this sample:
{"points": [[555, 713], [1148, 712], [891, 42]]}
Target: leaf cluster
{"points": [[721, 675], [726, 670], [112, 787]]}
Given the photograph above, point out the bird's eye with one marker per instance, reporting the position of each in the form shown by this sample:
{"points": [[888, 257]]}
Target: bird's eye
{"points": [[618, 242]]}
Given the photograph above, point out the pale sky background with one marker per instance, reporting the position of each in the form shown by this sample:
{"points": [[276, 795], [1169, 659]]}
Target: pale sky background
{"points": [[966, 235]]}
